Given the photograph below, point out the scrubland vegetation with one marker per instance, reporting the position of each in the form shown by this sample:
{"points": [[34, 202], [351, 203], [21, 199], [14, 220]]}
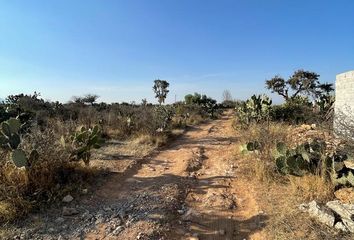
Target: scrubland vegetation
{"points": [[46, 146], [293, 154]]}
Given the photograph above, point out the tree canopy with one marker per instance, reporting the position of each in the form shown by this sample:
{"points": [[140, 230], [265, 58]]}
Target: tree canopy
{"points": [[87, 99], [161, 90], [300, 83]]}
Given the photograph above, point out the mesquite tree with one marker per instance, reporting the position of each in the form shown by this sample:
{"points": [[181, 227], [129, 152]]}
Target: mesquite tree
{"points": [[300, 83]]}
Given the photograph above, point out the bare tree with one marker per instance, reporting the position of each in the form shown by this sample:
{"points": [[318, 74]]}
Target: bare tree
{"points": [[226, 95]]}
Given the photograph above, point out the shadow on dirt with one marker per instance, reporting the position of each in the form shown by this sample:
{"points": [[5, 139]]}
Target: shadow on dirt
{"points": [[159, 199], [218, 227]]}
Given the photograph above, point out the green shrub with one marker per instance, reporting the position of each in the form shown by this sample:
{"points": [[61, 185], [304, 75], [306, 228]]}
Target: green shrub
{"points": [[254, 110], [297, 110]]}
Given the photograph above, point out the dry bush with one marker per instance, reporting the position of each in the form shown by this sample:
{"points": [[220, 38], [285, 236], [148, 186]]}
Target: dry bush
{"points": [[311, 187], [280, 201], [46, 180], [195, 119], [152, 140], [279, 196], [267, 134]]}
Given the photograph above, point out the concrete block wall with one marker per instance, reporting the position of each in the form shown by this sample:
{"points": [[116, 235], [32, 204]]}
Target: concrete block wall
{"points": [[344, 104]]}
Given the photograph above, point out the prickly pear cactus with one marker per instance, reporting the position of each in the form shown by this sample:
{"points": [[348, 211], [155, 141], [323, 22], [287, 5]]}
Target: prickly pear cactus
{"points": [[253, 146], [19, 158], [9, 134], [312, 158], [10, 140], [291, 161], [83, 141], [255, 109]]}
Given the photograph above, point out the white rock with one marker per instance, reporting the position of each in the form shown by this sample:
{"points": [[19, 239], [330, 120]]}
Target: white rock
{"points": [[68, 198], [323, 215], [180, 211], [344, 210], [304, 207], [118, 230], [349, 164], [222, 232], [341, 226], [349, 224]]}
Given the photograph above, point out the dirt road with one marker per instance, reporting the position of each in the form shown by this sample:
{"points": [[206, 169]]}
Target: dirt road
{"points": [[194, 188], [191, 189]]}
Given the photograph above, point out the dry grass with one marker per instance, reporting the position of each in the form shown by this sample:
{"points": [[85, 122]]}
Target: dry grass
{"points": [[154, 141], [195, 119], [267, 134], [279, 196], [45, 181], [311, 187]]}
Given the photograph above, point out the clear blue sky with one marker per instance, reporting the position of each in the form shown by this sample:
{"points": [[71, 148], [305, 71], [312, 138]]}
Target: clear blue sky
{"points": [[117, 48]]}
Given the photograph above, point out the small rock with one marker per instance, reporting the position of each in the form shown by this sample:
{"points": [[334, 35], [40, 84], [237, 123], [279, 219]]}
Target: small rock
{"points": [[343, 210], [85, 191], [189, 215], [99, 220], [140, 236], [304, 207], [323, 215], [107, 209], [180, 211], [349, 224], [68, 198], [86, 215], [349, 164], [69, 211], [222, 232], [117, 230], [341, 226], [59, 220]]}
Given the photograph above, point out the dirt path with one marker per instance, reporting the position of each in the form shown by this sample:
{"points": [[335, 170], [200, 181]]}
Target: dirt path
{"points": [[191, 189]]}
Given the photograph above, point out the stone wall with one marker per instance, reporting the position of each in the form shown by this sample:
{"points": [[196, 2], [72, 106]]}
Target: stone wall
{"points": [[344, 105]]}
